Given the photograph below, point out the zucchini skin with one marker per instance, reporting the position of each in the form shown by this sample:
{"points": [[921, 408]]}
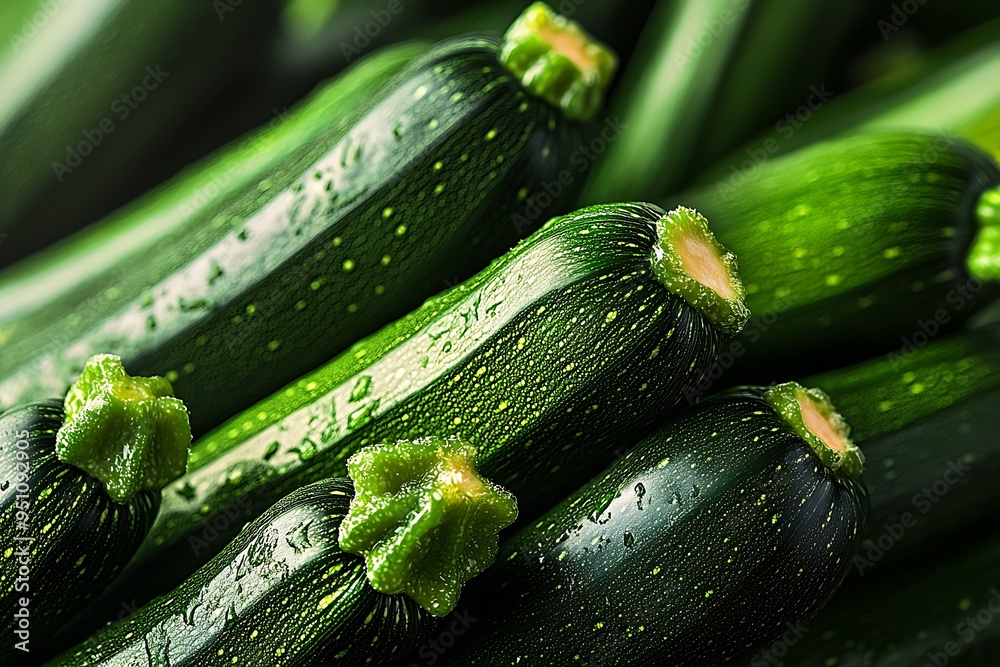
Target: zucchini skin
{"points": [[911, 616], [693, 549], [415, 193], [845, 246], [282, 593], [69, 75], [927, 424], [82, 538], [154, 233], [562, 348]]}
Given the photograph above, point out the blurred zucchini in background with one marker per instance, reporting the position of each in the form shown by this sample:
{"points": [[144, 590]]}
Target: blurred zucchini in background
{"points": [[942, 610], [703, 76], [426, 187], [576, 340], [80, 488], [94, 91], [951, 90], [847, 245], [926, 416], [696, 548]]}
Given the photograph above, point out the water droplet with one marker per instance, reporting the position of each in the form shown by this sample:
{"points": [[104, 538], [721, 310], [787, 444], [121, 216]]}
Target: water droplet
{"points": [[186, 491], [361, 388], [272, 449], [5, 485], [640, 491], [298, 537], [362, 415], [629, 540], [194, 304], [695, 491], [306, 450]]}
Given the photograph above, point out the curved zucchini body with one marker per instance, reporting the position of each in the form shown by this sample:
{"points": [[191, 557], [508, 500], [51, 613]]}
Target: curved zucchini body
{"points": [[93, 90], [848, 245], [416, 192], [927, 422], [564, 347], [695, 548], [942, 613], [282, 593], [173, 222], [72, 538]]}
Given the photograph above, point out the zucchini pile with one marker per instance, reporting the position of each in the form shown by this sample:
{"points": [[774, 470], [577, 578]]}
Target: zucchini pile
{"points": [[474, 358]]}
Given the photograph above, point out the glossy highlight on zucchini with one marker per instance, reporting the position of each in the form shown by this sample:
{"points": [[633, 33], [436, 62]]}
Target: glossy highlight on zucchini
{"points": [[567, 345], [694, 549], [415, 192]]}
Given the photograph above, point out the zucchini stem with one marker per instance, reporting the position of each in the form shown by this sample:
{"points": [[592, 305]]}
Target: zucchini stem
{"points": [[557, 61], [984, 257], [690, 262], [130, 433], [423, 519], [811, 415]]}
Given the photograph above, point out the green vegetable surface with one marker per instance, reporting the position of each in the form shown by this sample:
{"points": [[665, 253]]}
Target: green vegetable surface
{"points": [[281, 593], [696, 548], [562, 349], [68, 531], [419, 190], [940, 611], [96, 93], [927, 419], [851, 246]]}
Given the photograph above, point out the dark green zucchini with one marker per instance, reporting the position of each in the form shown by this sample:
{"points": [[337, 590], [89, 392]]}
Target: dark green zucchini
{"points": [[941, 611], [97, 95], [285, 592], [79, 489], [175, 219], [695, 549], [852, 246], [423, 188], [574, 341], [927, 419]]}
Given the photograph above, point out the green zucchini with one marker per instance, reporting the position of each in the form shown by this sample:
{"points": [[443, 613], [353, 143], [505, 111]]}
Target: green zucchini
{"points": [[576, 339], [704, 73], [290, 591], [79, 489], [419, 190], [927, 419], [47, 286], [96, 93], [920, 96], [695, 549], [850, 246], [940, 611]]}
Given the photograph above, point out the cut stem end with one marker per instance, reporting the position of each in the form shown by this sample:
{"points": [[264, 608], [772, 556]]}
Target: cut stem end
{"points": [[130, 433], [690, 262], [558, 62], [811, 414], [423, 519]]}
